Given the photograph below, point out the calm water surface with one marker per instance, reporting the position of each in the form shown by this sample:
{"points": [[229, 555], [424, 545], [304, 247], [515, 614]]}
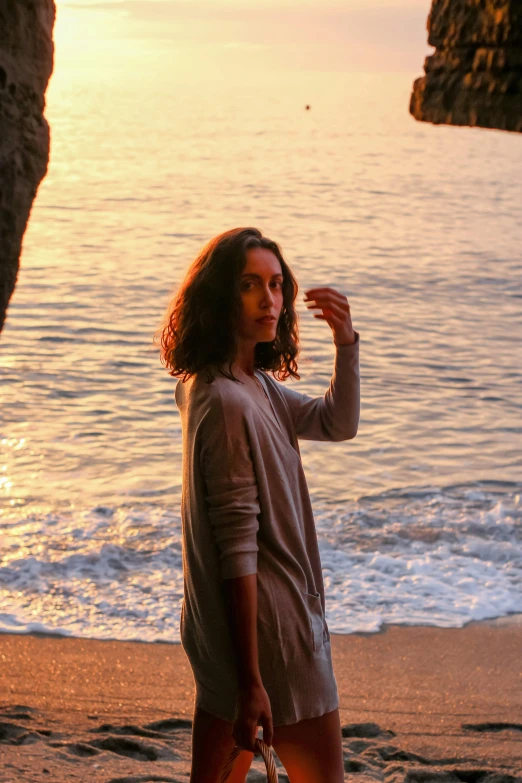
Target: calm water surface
{"points": [[419, 516]]}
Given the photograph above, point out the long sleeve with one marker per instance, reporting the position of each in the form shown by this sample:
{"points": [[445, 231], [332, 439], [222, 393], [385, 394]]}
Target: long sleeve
{"points": [[335, 416], [231, 492]]}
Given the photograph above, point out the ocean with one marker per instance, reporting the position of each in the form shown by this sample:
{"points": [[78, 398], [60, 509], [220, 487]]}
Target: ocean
{"points": [[419, 516]]}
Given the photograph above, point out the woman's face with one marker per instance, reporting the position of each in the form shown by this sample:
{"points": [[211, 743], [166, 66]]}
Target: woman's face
{"points": [[261, 287]]}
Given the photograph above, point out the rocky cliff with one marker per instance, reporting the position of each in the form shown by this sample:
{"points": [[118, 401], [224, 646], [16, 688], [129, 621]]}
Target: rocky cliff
{"points": [[475, 75], [26, 62]]}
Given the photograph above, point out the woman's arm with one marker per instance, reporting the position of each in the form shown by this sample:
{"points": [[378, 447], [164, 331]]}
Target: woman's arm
{"points": [[335, 416], [253, 702], [231, 492], [241, 599], [232, 500]]}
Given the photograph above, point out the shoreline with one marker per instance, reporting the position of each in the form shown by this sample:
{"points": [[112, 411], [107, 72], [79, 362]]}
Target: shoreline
{"points": [[417, 697], [513, 618]]}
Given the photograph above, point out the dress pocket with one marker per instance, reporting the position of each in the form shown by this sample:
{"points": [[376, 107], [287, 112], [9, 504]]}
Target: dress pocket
{"points": [[316, 618]]}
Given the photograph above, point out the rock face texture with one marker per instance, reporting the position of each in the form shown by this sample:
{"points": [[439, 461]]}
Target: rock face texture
{"points": [[26, 63], [475, 75]]}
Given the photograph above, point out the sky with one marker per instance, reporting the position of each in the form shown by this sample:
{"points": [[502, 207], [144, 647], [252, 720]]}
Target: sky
{"points": [[364, 35]]}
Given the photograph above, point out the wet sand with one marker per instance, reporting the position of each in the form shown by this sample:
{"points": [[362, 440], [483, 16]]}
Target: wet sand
{"points": [[417, 704]]}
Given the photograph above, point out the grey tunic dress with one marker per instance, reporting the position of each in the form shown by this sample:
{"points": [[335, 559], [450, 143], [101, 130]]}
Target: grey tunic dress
{"points": [[246, 509]]}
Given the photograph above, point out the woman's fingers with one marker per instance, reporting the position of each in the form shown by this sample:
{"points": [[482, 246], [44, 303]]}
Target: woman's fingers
{"points": [[333, 313], [329, 300], [321, 289], [268, 729], [341, 301], [245, 735], [334, 309], [313, 293]]}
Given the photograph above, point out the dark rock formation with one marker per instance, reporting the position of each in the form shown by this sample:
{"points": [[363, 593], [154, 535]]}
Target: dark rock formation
{"points": [[26, 63], [475, 75]]}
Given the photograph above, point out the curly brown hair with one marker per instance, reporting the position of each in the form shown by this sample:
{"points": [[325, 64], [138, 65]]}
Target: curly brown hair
{"points": [[200, 325]]}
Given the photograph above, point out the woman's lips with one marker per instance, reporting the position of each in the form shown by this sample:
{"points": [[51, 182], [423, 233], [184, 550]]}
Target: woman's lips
{"points": [[268, 320]]}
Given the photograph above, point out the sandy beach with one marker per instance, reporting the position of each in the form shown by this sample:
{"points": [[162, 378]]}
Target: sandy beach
{"points": [[417, 704]]}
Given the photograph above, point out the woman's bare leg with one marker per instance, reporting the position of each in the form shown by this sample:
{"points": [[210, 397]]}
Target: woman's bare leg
{"points": [[311, 750], [212, 743]]}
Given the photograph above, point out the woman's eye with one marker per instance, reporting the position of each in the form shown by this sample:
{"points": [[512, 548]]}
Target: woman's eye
{"points": [[246, 286]]}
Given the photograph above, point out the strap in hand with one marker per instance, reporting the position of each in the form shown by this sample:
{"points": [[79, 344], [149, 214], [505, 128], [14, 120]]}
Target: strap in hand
{"points": [[264, 750]]}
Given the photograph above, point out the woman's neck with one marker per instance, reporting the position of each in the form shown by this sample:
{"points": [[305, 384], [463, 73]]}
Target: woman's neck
{"points": [[244, 361]]}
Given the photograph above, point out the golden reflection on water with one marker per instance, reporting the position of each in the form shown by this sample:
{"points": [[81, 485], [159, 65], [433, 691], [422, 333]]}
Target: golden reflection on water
{"points": [[154, 151], [155, 148]]}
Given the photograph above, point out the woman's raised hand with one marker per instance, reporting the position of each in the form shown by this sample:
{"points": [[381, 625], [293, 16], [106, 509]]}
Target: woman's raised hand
{"points": [[335, 311]]}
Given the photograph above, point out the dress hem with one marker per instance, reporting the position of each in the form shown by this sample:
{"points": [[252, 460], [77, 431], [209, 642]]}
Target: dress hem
{"points": [[198, 704]]}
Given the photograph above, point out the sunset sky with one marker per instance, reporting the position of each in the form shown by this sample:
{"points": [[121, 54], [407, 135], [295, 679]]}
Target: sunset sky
{"points": [[373, 35]]}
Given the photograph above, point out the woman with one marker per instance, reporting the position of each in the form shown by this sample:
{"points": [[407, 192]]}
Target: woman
{"points": [[252, 620]]}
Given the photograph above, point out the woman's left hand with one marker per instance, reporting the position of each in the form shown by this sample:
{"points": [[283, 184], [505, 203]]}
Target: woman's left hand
{"points": [[335, 311]]}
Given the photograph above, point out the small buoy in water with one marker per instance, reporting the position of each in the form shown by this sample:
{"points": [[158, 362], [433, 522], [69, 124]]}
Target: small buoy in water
{"points": [[307, 107]]}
